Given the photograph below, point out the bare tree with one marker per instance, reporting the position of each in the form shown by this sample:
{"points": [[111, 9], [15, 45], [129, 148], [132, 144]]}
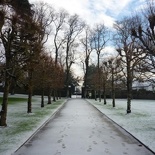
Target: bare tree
{"points": [[130, 52], [74, 27], [143, 28], [100, 38], [59, 38], [59, 25], [44, 16], [88, 48], [114, 64], [105, 78]]}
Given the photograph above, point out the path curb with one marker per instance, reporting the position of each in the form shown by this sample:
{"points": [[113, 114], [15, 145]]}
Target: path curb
{"points": [[42, 125], [120, 126]]}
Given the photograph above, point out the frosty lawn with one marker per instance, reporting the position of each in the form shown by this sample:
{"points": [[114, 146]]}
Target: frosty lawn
{"points": [[140, 123], [22, 125]]}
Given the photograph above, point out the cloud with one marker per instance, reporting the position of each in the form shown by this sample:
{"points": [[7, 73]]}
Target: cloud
{"points": [[96, 11]]}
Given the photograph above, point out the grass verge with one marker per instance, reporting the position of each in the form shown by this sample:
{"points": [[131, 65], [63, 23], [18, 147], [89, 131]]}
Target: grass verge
{"points": [[14, 100], [22, 125]]}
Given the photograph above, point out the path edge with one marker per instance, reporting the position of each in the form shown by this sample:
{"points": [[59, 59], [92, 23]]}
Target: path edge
{"points": [[120, 126], [42, 125]]}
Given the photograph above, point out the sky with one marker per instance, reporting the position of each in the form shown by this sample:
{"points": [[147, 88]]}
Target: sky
{"points": [[97, 11]]}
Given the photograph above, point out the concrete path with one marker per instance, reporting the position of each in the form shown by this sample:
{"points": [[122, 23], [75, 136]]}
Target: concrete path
{"points": [[80, 129]]}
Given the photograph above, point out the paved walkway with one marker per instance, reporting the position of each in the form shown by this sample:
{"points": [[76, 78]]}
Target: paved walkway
{"points": [[80, 129]]}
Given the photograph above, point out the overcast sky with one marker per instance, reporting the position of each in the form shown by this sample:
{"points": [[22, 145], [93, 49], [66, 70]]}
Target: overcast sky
{"points": [[96, 11]]}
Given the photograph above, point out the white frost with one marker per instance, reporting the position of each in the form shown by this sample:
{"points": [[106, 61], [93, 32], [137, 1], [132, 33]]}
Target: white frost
{"points": [[140, 122]]}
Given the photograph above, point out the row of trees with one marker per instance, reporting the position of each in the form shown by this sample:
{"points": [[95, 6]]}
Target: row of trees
{"points": [[133, 39], [17, 44], [26, 61]]}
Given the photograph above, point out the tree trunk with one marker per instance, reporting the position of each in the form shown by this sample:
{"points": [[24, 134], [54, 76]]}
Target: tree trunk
{"points": [[129, 97], [95, 96], [68, 92], [113, 99], [67, 82], [85, 77], [85, 92], [42, 99], [3, 112], [105, 102], [99, 76], [99, 95], [113, 89], [49, 97], [29, 106], [129, 89], [59, 94], [30, 90], [54, 95], [12, 87]]}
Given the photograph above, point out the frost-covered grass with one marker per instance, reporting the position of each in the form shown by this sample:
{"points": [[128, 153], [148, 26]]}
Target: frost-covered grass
{"points": [[22, 125], [140, 122]]}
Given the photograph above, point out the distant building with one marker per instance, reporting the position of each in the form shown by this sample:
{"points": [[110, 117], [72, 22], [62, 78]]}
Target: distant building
{"points": [[147, 85]]}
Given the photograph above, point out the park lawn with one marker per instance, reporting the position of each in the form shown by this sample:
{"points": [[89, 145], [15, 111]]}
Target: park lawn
{"points": [[140, 122], [14, 100], [22, 125]]}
